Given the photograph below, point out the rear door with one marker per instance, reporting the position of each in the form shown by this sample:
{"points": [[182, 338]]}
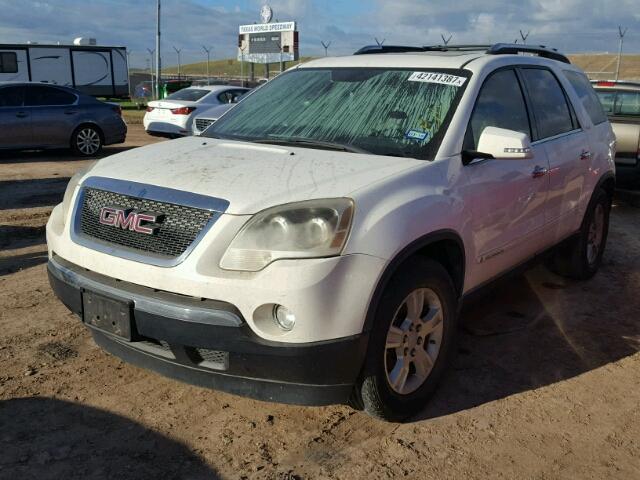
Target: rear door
{"points": [[15, 121], [557, 130], [54, 114]]}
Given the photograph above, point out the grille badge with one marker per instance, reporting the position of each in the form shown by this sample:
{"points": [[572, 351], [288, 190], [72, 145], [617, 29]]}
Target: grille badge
{"points": [[147, 223]]}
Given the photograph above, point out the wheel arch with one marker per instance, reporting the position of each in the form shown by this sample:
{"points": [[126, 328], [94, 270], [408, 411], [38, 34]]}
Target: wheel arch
{"points": [[87, 124], [444, 246]]}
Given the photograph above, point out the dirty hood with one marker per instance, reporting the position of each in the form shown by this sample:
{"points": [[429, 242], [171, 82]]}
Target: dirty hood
{"points": [[251, 177]]}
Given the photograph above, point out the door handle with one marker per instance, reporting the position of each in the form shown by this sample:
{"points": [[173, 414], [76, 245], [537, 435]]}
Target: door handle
{"points": [[70, 112], [539, 171], [585, 155], [22, 114]]}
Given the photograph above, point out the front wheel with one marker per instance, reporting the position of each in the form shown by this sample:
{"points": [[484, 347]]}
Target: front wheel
{"points": [[412, 341], [86, 141]]}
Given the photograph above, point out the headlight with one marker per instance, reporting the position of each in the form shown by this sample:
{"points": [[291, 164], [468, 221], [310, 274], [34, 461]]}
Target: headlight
{"points": [[312, 229], [71, 188]]}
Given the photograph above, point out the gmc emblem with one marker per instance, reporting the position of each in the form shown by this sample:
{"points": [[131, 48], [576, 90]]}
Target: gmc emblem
{"points": [[130, 219]]}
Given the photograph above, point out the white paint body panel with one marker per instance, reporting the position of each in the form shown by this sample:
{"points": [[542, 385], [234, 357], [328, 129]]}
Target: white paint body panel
{"points": [[496, 208]]}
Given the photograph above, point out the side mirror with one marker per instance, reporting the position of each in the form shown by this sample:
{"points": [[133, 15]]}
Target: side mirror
{"points": [[505, 144]]}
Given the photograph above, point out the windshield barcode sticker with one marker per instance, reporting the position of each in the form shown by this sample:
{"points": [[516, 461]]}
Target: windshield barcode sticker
{"points": [[435, 77]]}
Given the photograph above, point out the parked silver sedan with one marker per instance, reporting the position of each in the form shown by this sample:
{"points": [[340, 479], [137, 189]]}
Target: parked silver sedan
{"points": [[42, 116]]}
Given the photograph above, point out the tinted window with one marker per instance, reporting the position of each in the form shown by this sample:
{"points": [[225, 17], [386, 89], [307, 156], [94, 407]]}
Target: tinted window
{"points": [[607, 99], [588, 97], [500, 104], [11, 96], [42, 95], [552, 113], [188, 94], [627, 103], [8, 62]]}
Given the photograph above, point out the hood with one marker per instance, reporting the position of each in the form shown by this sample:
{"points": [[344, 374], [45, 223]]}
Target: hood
{"points": [[251, 177]]}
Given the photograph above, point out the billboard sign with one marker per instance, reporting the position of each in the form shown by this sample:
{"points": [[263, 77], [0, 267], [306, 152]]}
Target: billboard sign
{"points": [[268, 42]]}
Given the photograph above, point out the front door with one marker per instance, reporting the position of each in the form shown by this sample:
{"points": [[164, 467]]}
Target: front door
{"points": [[506, 197], [15, 120]]}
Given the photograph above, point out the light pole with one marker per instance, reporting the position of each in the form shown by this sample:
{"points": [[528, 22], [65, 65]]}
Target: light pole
{"points": [[326, 47], [158, 60], [153, 84], [178, 50], [208, 50], [242, 49], [621, 33]]}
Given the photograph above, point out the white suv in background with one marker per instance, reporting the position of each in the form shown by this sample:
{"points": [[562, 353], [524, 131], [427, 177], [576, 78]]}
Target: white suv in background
{"points": [[315, 245]]}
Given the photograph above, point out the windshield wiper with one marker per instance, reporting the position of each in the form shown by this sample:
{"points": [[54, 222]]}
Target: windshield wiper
{"points": [[308, 142]]}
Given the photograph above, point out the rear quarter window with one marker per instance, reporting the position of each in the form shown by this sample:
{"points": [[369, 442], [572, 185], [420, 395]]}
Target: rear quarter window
{"points": [[587, 95]]}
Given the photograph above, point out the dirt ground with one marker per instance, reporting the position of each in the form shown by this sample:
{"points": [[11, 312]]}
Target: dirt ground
{"points": [[546, 384]]}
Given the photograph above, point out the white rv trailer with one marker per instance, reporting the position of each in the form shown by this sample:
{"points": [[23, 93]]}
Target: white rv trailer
{"points": [[94, 70]]}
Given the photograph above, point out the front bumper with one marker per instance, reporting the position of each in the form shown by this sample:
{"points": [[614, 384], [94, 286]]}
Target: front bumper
{"points": [[208, 343]]}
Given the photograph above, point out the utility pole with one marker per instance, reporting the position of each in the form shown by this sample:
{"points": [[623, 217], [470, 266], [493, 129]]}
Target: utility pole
{"points": [[326, 47], [621, 33], [446, 41], [158, 60], [128, 77], [208, 50], [153, 83], [178, 50], [524, 36]]}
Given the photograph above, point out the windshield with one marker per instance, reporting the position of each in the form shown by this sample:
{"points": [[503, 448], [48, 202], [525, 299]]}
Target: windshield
{"points": [[380, 111], [189, 94], [620, 102]]}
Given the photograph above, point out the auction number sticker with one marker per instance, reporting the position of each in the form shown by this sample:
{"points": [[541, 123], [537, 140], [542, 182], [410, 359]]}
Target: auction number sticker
{"points": [[437, 77]]}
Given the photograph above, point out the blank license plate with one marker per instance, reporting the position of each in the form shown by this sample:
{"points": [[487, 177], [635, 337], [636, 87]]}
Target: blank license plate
{"points": [[106, 314]]}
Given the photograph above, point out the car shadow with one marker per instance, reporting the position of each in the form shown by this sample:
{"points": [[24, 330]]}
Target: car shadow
{"points": [[19, 236], [41, 192], [34, 156], [9, 265], [536, 330], [46, 438]]}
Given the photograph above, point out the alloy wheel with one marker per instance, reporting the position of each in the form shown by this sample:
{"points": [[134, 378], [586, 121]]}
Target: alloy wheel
{"points": [[88, 141], [413, 341]]}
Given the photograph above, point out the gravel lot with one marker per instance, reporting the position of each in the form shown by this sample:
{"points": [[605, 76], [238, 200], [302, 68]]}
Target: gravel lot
{"points": [[546, 384]]}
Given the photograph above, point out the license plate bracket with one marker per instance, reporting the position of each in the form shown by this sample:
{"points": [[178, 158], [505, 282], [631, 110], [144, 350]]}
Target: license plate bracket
{"points": [[107, 314]]}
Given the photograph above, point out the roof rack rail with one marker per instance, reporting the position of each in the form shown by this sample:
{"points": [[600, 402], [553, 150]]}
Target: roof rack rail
{"points": [[540, 50], [496, 49], [387, 49]]}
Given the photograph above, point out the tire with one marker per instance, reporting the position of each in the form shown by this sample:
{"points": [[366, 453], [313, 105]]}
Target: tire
{"points": [[86, 141], [581, 258], [408, 352]]}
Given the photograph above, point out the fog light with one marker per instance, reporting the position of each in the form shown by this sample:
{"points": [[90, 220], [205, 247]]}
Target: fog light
{"points": [[284, 318]]}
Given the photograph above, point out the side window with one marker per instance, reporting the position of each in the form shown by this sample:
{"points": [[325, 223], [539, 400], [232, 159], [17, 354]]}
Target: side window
{"points": [[11, 96], [627, 103], [552, 113], [226, 97], [607, 99], [8, 62], [39, 95], [587, 95], [499, 104]]}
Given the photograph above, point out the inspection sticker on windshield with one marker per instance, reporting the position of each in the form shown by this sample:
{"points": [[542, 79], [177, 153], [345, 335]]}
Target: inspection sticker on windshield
{"points": [[436, 77], [418, 135]]}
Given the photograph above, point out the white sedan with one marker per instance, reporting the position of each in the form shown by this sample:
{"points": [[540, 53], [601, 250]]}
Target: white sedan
{"points": [[173, 116]]}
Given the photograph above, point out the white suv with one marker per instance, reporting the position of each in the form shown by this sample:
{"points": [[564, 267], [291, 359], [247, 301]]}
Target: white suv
{"points": [[314, 247]]}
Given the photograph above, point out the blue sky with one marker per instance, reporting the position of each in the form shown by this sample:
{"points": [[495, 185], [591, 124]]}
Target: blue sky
{"points": [[571, 25]]}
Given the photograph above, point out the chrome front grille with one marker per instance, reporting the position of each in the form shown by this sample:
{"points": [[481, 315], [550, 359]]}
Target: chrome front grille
{"points": [[203, 123], [180, 219], [179, 228]]}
